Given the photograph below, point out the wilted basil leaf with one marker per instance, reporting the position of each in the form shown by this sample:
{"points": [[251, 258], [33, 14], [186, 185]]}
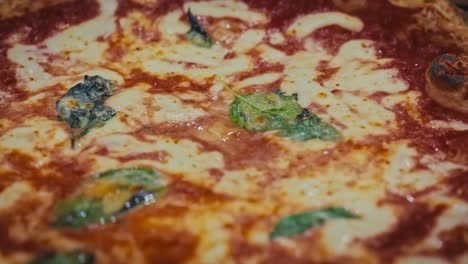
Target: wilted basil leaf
{"points": [[140, 177], [309, 126], [74, 257], [109, 195], [140, 198], [264, 111], [298, 223], [82, 107], [79, 211], [197, 34]]}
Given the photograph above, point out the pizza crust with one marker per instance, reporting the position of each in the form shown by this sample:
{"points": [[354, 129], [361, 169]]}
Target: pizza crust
{"points": [[441, 17]]}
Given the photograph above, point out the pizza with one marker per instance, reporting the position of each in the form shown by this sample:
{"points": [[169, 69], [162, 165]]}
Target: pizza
{"points": [[158, 131]]}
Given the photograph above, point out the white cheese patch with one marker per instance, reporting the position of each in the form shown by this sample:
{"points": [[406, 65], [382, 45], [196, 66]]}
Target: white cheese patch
{"points": [[361, 117], [77, 47], [270, 54], [242, 184], [152, 108], [454, 125], [248, 40], [170, 25], [359, 70], [81, 40], [276, 38], [400, 174], [29, 70], [227, 68], [307, 24], [359, 114], [37, 137], [188, 52], [221, 9], [299, 74], [182, 157]]}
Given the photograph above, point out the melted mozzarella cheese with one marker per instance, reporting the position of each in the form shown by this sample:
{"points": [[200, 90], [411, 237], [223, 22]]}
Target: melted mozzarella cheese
{"points": [[307, 24], [77, 47], [357, 180], [149, 108], [182, 157], [361, 70], [36, 137], [233, 9], [357, 72], [248, 40]]}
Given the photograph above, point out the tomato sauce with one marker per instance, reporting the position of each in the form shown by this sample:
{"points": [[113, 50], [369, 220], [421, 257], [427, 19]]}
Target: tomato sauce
{"points": [[36, 26], [415, 223]]}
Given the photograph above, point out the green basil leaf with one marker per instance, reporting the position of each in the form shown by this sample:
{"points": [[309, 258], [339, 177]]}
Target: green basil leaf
{"points": [[265, 111], [78, 212], [124, 190], [298, 223], [74, 257], [132, 177], [309, 126], [82, 107], [143, 186], [197, 34]]}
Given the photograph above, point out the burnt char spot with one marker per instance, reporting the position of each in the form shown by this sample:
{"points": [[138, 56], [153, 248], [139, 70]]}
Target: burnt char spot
{"points": [[458, 185], [447, 82], [444, 72], [38, 25], [415, 222]]}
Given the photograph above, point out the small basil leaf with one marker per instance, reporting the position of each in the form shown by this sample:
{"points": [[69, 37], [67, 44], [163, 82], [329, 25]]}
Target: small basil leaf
{"points": [[309, 126], [82, 107], [298, 223], [74, 257], [197, 34], [78, 212], [264, 111]]}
